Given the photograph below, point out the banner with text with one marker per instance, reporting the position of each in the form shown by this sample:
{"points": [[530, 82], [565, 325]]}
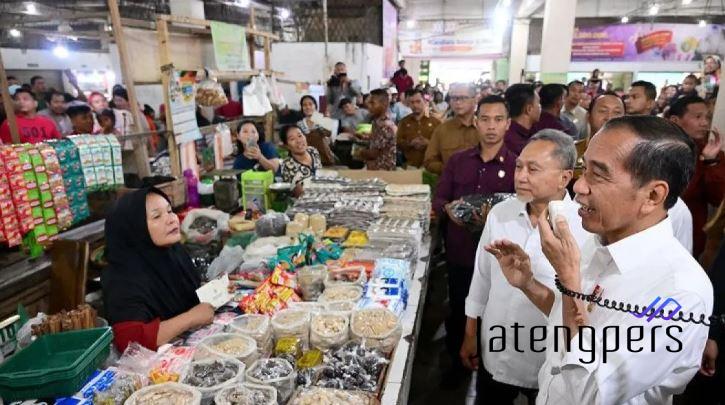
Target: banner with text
{"points": [[647, 42], [449, 39]]}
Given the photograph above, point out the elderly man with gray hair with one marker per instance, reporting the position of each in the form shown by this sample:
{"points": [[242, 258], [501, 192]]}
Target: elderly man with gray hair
{"points": [[456, 134], [512, 357]]}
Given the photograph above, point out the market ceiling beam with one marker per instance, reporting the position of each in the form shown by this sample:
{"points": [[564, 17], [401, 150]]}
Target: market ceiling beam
{"points": [[73, 34], [529, 7], [140, 152]]}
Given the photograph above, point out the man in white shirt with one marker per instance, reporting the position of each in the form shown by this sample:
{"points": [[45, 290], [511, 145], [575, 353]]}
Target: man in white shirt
{"points": [[681, 219], [543, 171], [635, 168]]}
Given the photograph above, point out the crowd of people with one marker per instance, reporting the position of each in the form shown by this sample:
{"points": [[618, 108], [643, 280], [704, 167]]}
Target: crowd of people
{"points": [[637, 174], [44, 113]]}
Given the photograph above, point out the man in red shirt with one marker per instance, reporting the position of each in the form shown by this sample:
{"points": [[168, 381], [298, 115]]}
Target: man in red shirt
{"points": [[402, 81], [33, 128], [707, 185]]}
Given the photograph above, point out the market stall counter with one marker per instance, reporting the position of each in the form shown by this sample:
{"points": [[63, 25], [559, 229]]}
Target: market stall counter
{"points": [[321, 304]]}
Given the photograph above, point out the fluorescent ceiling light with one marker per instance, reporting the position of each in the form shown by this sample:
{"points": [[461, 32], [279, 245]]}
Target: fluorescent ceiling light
{"points": [[60, 51]]}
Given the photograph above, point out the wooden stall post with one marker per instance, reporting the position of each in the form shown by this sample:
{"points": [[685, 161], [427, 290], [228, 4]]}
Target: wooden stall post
{"points": [[8, 103], [162, 28], [140, 153]]}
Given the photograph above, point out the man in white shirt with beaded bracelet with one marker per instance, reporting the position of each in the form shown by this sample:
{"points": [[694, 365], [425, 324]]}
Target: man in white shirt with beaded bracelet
{"points": [[543, 170], [635, 167]]}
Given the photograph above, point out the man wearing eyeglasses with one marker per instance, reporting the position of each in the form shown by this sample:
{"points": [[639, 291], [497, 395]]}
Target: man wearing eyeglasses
{"points": [[456, 134]]}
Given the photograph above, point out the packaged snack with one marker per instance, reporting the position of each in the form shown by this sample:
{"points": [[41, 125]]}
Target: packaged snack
{"points": [[310, 280], [356, 239], [210, 94], [346, 276], [302, 219], [318, 224], [336, 232], [311, 358], [392, 268], [289, 348], [169, 365], [293, 229], [122, 386]]}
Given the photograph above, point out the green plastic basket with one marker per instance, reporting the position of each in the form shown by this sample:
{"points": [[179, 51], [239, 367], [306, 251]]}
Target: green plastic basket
{"points": [[54, 365]]}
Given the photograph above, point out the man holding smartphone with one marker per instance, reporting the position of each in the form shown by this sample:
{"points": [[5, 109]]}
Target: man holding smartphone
{"points": [[341, 86]]}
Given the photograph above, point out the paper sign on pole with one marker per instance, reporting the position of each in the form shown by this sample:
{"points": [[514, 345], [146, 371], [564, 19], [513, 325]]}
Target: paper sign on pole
{"points": [[183, 106]]}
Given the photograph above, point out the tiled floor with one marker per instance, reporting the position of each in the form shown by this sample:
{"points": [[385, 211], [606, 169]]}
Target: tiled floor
{"points": [[431, 358]]}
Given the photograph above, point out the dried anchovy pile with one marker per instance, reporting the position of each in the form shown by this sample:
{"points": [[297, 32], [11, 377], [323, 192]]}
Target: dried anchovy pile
{"points": [[352, 367], [211, 374], [247, 396], [203, 224], [271, 369]]}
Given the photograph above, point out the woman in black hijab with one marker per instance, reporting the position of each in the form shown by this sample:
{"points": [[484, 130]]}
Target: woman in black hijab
{"points": [[149, 286]]}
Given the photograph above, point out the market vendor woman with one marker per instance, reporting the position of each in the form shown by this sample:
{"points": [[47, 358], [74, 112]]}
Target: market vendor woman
{"points": [[303, 160], [149, 286]]}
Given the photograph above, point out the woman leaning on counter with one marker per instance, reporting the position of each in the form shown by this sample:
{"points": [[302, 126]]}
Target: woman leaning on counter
{"points": [[149, 286], [303, 160]]}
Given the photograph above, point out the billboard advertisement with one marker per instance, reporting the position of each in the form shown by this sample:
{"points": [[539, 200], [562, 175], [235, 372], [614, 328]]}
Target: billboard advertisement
{"points": [[647, 42]]}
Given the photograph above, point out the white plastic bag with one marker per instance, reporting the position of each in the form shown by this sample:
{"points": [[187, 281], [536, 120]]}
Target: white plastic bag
{"points": [[255, 99], [229, 260], [258, 327], [193, 235], [275, 94]]}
